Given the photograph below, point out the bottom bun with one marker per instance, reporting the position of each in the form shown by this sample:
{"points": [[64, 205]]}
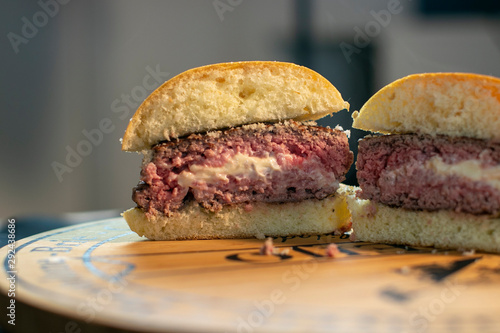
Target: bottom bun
{"points": [[378, 223], [241, 221]]}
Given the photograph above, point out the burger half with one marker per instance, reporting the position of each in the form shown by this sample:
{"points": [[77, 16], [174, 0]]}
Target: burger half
{"points": [[230, 151], [433, 177]]}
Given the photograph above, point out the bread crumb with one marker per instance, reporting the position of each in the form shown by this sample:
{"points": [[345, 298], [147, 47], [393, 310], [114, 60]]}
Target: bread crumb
{"points": [[267, 249], [285, 252], [332, 250], [469, 252]]}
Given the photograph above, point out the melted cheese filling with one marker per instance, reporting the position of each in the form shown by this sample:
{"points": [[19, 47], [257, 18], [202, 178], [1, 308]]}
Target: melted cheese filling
{"points": [[470, 169], [239, 165]]}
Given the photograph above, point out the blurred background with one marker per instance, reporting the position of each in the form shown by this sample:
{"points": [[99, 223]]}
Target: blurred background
{"points": [[73, 73]]}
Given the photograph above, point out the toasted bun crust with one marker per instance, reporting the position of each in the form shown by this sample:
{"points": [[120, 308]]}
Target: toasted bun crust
{"points": [[374, 222], [227, 95], [264, 219], [455, 104]]}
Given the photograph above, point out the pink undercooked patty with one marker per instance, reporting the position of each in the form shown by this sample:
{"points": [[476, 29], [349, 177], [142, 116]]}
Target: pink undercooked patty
{"points": [[390, 170], [312, 161]]}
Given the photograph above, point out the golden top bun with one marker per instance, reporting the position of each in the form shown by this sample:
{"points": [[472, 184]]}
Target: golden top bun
{"points": [[227, 95], [454, 104]]}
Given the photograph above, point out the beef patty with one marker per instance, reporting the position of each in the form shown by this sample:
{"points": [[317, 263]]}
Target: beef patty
{"points": [[281, 162], [430, 172]]}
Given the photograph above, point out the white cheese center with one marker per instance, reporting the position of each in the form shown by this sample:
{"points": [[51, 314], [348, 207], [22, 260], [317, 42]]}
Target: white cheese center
{"points": [[470, 169], [238, 165]]}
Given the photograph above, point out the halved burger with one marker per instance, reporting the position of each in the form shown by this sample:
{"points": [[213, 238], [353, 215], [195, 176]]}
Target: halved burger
{"points": [[230, 151], [431, 177]]}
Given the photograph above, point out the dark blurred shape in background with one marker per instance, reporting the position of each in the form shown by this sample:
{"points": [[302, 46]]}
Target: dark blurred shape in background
{"points": [[459, 7], [355, 81]]}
